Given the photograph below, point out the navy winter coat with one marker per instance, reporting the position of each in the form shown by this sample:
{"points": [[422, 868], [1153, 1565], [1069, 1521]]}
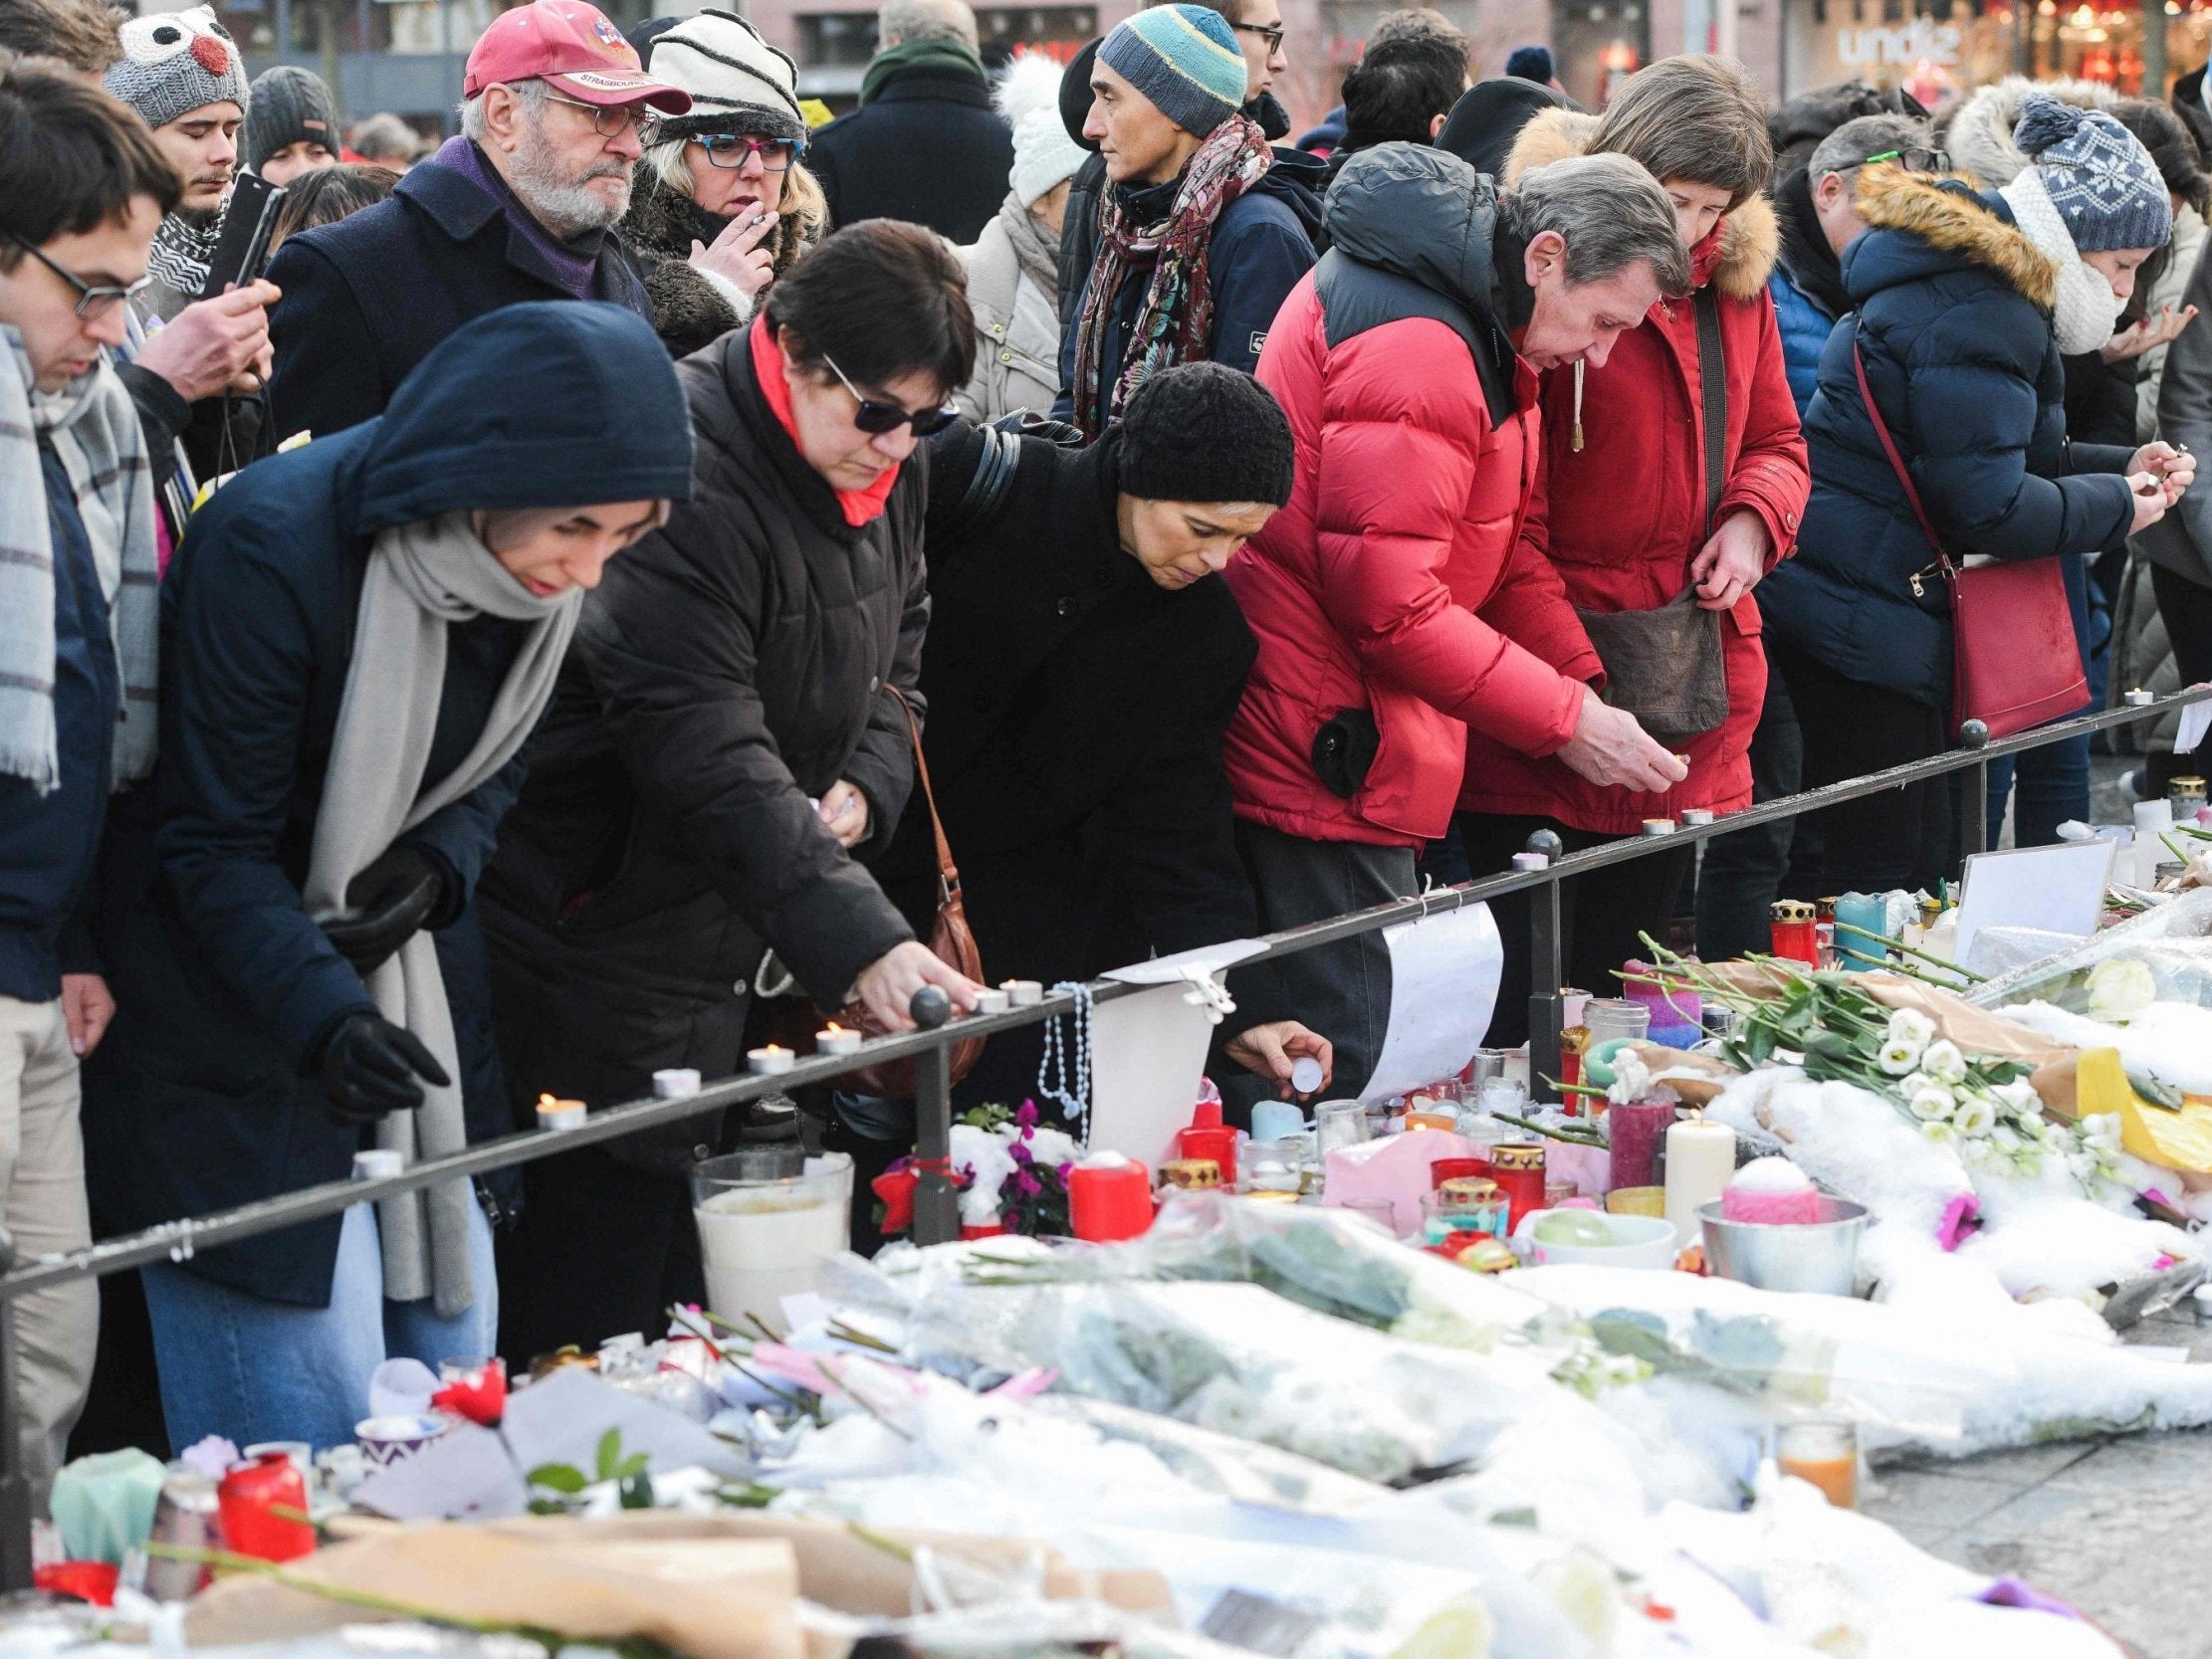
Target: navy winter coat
{"points": [[1262, 244], [48, 841], [1806, 285], [927, 148], [201, 1096], [368, 297], [1954, 319]]}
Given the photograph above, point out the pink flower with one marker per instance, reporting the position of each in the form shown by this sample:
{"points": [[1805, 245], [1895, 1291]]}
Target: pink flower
{"points": [[1961, 1217], [1026, 1115], [1026, 1184]]}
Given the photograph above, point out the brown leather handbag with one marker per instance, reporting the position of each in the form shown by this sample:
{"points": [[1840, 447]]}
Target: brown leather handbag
{"points": [[950, 939]]}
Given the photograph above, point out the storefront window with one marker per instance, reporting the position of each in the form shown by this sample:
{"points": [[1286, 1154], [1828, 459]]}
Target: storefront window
{"points": [[1936, 54], [1598, 44]]}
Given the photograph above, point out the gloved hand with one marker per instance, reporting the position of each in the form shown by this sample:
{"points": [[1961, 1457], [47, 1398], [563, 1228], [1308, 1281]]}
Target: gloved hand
{"points": [[371, 1067], [391, 901]]}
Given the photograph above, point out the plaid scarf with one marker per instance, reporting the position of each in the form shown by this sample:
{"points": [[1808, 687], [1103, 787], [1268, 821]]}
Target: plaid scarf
{"points": [[1174, 321], [94, 428]]}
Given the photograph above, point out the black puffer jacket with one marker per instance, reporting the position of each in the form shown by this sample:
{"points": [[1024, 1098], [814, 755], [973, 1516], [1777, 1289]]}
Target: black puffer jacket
{"points": [[730, 666]]}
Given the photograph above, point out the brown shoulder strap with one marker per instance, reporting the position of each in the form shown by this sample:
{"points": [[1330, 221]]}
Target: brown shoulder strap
{"points": [[1712, 396], [1897, 462], [948, 874]]}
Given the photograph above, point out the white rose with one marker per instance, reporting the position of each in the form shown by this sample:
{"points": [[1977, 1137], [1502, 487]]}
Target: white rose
{"points": [[1940, 1131], [1974, 1117], [1897, 1058], [1911, 1027], [1930, 1103], [1943, 1062]]}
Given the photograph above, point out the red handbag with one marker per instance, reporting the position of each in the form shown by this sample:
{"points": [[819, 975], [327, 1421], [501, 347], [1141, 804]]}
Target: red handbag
{"points": [[2014, 662]]}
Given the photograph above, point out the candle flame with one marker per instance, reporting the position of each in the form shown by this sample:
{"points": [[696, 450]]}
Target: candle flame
{"points": [[834, 1029], [546, 1102]]}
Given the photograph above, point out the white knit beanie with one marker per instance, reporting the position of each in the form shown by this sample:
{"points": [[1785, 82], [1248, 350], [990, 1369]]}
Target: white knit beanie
{"points": [[737, 81], [1043, 155]]}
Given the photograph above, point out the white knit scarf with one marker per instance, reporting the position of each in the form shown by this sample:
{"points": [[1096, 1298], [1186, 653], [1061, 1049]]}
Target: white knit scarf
{"points": [[2086, 311], [422, 579], [94, 429]]}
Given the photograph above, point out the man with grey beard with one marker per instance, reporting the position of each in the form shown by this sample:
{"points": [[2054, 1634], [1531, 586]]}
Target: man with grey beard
{"points": [[521, 206]]}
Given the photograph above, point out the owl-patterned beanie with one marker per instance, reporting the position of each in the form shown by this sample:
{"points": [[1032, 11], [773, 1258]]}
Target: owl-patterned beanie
{"points": [[174, 63]]}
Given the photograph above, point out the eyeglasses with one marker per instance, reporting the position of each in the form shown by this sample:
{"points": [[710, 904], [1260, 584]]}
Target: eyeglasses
{"points": [[876, 418], [1272, 33], [1912, 161], [611, 121], [731, 150], [92, 303]]}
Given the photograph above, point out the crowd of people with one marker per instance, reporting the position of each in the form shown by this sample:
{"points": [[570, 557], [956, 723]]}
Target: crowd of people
{"points": [[570, 612]]}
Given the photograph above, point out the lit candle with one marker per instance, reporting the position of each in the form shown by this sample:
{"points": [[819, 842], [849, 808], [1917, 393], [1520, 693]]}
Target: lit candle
{"points": [[835, 1039], [993, 1002], [770, 1060], [1025, 993], [553, 1114], [1700, 1157]]}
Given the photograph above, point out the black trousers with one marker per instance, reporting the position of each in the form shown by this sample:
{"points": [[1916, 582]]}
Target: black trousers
{"points": [[1894, 839], [1601, 915], [1741, 874], [2187, 607]]}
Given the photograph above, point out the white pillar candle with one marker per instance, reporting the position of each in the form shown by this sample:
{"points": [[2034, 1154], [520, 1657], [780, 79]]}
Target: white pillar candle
{"points": [[1700, 1157]]}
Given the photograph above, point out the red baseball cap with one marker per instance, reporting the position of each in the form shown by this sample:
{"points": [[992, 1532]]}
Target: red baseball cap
{"points": [[574, 46]]}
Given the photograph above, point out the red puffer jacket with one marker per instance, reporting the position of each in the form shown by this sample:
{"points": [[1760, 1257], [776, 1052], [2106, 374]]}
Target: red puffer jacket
{"points": [[1399, 580], [1626, 511]]}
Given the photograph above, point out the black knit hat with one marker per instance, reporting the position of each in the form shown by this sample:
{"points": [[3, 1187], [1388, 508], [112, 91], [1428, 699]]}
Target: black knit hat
{"points": [[1204, 432], [289, 105]]}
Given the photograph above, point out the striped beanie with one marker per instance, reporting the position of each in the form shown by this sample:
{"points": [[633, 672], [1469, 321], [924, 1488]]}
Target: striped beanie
{"points": [[1184, 59]]}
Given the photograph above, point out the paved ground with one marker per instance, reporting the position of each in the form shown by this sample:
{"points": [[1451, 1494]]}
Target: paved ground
{"points": [[2116, 1527]]}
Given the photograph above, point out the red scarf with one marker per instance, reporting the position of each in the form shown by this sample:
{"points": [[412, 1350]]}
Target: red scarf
{"points": [[860, 506]]}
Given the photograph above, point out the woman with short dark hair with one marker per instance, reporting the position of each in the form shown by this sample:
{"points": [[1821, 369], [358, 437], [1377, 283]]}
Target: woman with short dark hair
{"points": [[727, 746]]}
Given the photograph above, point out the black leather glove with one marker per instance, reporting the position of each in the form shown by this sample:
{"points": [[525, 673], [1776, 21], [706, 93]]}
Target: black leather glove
{"points": [[391, 901], [371, 1067]]}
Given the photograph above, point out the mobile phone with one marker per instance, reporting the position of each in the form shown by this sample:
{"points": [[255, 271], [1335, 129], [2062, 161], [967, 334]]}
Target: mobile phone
{"points": [[243, 247]]}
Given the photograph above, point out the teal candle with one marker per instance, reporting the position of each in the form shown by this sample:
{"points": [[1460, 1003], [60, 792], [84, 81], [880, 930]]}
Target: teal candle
{"points": [[1276, 1120], [1871, 911]]}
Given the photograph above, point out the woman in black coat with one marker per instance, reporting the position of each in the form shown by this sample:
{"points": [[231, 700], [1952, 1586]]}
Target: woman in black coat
{"points": [[362, 630], [1954, 295], [1081, 670], [723, 752]]}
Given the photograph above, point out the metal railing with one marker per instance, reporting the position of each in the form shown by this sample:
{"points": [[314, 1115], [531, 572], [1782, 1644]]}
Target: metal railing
{"points": [[936, 1215]]}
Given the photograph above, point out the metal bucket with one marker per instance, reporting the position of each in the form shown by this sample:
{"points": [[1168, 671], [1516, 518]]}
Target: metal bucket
{"points": [[1818, 1256]]}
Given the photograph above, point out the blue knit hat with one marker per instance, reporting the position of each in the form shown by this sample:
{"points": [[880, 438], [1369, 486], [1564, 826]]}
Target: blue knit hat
{"points": [[1185, 60], [2097, 175]]}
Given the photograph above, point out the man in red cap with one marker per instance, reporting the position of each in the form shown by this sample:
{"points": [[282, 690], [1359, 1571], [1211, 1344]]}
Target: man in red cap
{"points": [[521, 206]]}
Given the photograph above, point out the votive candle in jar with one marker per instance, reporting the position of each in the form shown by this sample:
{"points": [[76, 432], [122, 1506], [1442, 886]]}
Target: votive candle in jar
{"points": [[1518, 1167]]}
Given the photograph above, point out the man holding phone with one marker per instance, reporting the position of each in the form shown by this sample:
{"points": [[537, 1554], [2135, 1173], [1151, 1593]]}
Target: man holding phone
{"points": [[184, 75]]}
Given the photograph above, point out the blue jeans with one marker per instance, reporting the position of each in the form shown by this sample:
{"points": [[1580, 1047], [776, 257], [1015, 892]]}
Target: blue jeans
{"points": [[252, 1370]]}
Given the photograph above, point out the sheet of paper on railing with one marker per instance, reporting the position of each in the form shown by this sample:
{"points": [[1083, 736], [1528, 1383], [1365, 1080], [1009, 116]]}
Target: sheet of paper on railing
{"points": [[1443, 989], [2195, 721], [2053, 889], [1148, 1052]]}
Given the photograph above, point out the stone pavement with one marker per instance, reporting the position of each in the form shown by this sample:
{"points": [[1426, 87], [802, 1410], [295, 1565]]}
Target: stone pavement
{"points": [[2113, 1526]]}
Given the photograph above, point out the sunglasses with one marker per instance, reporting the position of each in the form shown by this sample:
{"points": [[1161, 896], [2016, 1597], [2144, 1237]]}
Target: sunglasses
{"points": [[92, 303], [729, 151], [1272, 33], [611, 121], [876, 418]]}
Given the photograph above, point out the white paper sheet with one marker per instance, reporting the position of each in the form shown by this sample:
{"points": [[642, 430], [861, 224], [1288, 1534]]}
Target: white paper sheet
{"points": [[2195, 721], [2056, 890], [1148, 1053], [1443, 989]]}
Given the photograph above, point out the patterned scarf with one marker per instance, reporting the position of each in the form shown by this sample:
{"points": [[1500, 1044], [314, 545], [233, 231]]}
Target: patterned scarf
{"points": [[1175, 322], [181, 248]]}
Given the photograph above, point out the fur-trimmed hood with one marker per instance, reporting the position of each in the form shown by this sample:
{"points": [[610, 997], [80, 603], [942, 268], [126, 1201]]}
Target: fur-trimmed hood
{"points": [[1749, 236], [1918, 227], [1979, 139], [663, 220]]}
